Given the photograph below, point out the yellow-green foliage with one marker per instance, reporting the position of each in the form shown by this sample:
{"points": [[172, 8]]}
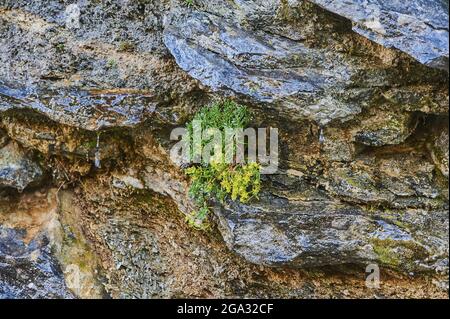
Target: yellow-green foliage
{"points": [[219, 180], [239, 182], [216, 179]]}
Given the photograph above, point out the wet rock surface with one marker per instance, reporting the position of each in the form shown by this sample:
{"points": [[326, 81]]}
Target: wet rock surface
{"points": [[306, 229], [29, 270], [297, 77], [145, 255], [419, 28], [17, 170], [90, 79], [90, 91]]}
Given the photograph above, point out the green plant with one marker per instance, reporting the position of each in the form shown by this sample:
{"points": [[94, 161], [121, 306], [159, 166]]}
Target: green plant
{"points": [[217, 179], [189, 3], [220, 115]]}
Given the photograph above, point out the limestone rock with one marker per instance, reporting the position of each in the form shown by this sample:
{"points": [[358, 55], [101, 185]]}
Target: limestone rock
{"points": [[17, 170], [439, 151], [283, 229], [419, 28], [29, 270]]}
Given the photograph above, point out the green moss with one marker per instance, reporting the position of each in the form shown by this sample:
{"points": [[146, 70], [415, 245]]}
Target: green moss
{"points": [[396, 253], [89, 144], [126, 46], [60, 47], [385, 251], [353, 182], [350, 180], [76, 251], [111, 64], [286, 12]]}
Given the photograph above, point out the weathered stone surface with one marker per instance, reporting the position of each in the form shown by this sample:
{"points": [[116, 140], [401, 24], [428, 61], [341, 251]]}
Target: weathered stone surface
{"points": [[43, 252], [223, 56], [386, 129], [17, 170], [299, 226], [83, 77], [94, 89], [400, 181], [297, 79], [75, 254], [87, 110], [439, 151], [419, 28], [3, 138], [28, 270], [145, 255]]}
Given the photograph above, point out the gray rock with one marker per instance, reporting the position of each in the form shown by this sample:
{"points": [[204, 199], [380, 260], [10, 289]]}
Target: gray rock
{"points": [[88, 110], [139, 67], [279, 231], [419, 27], [17, 170], [266, 68], [386, 129], [28, 270], [111, 71], [440, 150], [398, 182], [259, 65]]}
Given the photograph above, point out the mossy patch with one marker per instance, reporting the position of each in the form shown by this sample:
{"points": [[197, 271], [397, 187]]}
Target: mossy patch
{"points": [[398, 253]]}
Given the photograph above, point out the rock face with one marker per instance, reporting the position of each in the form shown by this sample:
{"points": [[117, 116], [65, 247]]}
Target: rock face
{"points": [[283, 229], [85, 76], [16, 169], [42, 252], [419, 28], [29, 270], [90, 91], [299, 77]]}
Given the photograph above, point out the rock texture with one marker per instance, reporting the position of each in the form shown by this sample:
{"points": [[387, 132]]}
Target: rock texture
{"points": [[17, 170], [419, 28], [299, 75], [302, 227], [91, 205], [28, 265], [29, 270]]}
